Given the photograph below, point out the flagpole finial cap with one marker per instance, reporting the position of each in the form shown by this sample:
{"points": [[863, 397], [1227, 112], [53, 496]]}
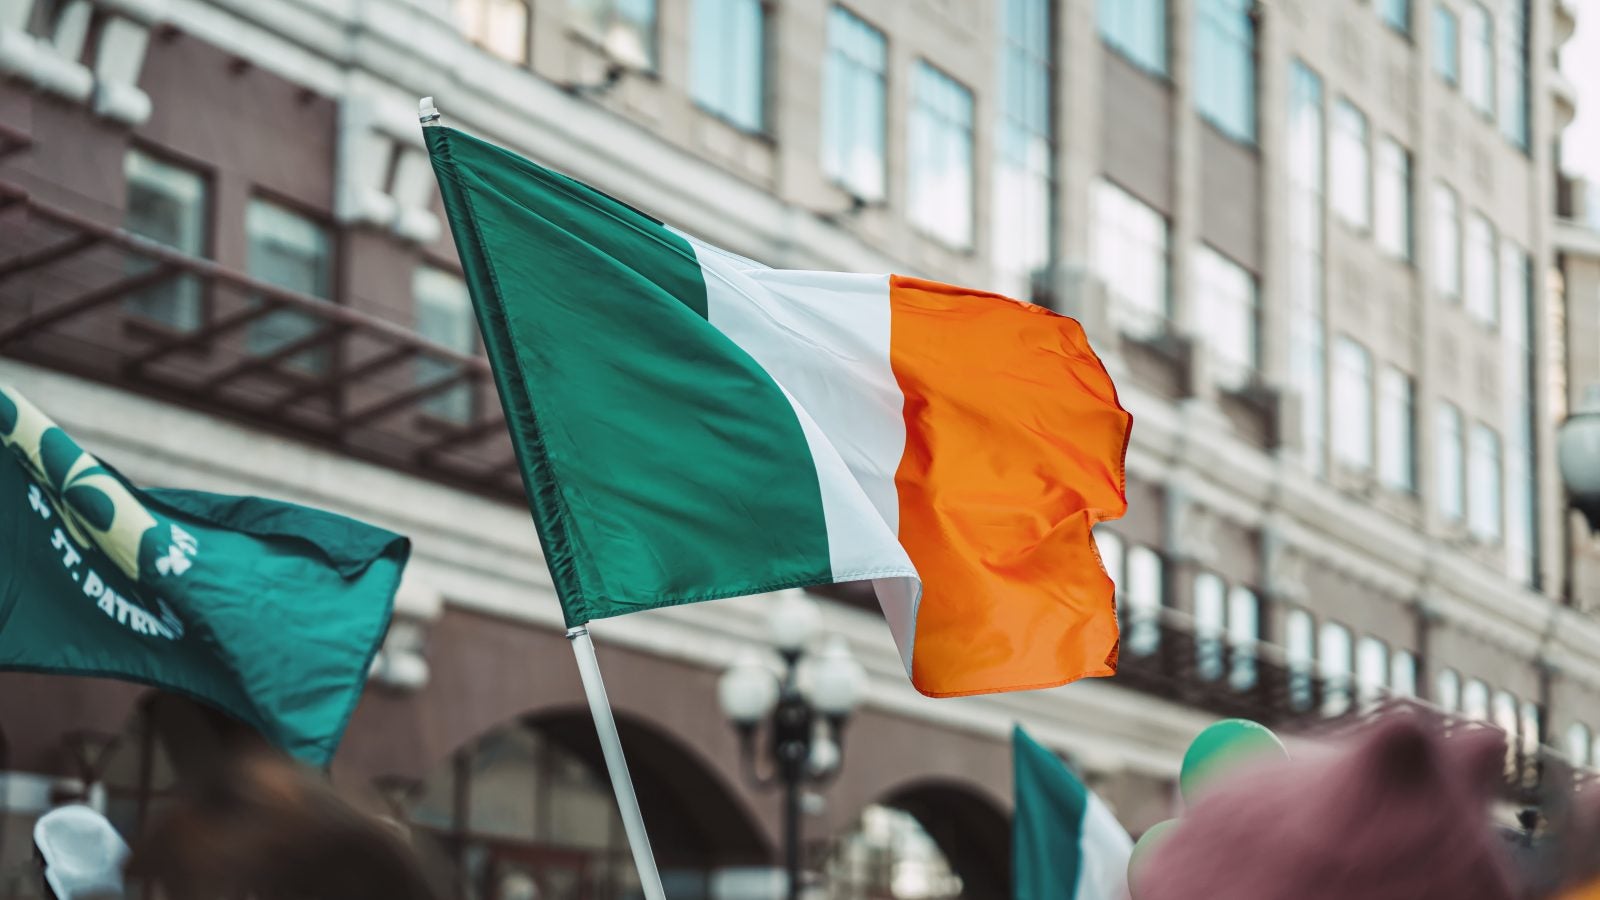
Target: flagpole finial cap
{"points": [[427, 113]]}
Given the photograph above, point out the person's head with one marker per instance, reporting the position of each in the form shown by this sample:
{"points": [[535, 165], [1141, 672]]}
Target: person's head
{"points": [[81, 854], [263, 827], [1402, 815]]}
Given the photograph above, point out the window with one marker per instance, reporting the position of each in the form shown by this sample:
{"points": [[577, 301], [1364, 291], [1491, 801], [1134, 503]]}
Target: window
{"points": [[1225, 66], [1225, 296], [1578, 744], [730, 61], [626, 28], [1397, 431], [854, 106], [1505, 716], [1109, 546], [1483, 484], [1392, 200], [1447, 690], [1352, 404], [1143, 612], [1129, 249], [941, 156], [1475, 701], [1477, 59], [292, 252], [1372, 669], [498, 26], [1307, 339], [1532, 730], [167, 204], [1137, 29], [1446, 242], [1446, 41], [1300, 654], [1449, 463], [1516, 289], [1481, 280], [1352, 171], [1397, 15], [1403, 674], [1025, 153], [1210, 625], [1333, 654], [444, 316], [1244, 633], [1513, 75]]}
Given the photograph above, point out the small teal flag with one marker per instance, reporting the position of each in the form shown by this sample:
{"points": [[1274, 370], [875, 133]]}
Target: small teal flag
{"points": [[268, 611], [1065, 843]]}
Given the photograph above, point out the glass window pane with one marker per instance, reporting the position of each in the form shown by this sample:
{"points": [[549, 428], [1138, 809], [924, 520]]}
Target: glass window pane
{"points": [[1397, 438], [1129, 251], [1397, 14], [1225, 59], [1226, 315], [1244, 633], [853, 98], [1483, 484], [940, 166], [1138, 29], [1307, 343], [626, 29], [1352, 404], [1446, 58], [1475, 701], [1352, 173], [1577, 744], [292, 252], [1210, 622], [1477, 58], [730, 79], [1143, 605], [499, 26], [444, 316], [1024, 170], [1446, 242], [1392, 200], [1334, 665], [1403, 674], [1299, 643], [1505, 715], [1447, 690], [1513, 72], [1372, 669], [167, 204], [1482, 280]]}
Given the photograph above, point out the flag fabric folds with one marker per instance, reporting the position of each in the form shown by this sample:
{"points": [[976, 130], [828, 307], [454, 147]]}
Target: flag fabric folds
{"points": [[268, 611], [693, 425], [1065, 843]]}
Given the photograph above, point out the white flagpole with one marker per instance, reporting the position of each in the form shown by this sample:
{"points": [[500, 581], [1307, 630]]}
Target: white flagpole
{"points": [[605, 724], [611, 745]]}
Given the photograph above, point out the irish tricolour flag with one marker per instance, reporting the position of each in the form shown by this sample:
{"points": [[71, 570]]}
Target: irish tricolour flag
{"points": [[694, 425]]}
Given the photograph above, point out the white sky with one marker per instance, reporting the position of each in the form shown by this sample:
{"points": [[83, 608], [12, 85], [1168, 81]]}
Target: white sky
{"points": [[1580, 60]]}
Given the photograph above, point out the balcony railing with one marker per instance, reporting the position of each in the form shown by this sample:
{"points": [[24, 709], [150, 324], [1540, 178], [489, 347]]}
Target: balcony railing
{"points": [[70, 292]]}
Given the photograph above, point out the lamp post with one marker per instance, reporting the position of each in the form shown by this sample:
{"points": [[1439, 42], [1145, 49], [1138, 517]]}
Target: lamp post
{"points": [[804, 705], [1578, 455]]}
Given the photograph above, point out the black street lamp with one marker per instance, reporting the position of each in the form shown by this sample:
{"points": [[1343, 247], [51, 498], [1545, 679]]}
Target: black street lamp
{"points": [[1578, 455], [805, 706]]}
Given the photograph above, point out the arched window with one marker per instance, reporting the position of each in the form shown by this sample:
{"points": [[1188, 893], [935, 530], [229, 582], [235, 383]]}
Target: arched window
{"points": [[887, 854]]}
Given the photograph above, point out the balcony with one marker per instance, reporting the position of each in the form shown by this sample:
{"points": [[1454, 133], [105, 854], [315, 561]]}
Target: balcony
{"points": [[69, 300]]}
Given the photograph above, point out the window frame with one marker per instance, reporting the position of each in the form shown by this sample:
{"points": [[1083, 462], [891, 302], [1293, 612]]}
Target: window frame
{"points": [[1404, 480], [1119, 214], [1357, 386], [1351, 145], [1234, 30], [206, 178], [1450, 437], [1392, 163], [1479, 58], [323, 356], [836, 56], [1446, 61], [1120, 42], [613, 12], [525, 58]]}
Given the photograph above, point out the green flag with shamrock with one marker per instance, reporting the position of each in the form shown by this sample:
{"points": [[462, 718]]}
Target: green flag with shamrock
{"points": [[268, 611]]}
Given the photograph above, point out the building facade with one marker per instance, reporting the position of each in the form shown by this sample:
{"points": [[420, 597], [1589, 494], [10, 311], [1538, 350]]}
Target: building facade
{"points": [[1311, 240]]}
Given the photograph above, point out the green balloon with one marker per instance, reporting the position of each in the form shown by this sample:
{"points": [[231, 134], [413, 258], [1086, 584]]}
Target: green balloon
{"points": [[1223, 748], [1146, 845]]}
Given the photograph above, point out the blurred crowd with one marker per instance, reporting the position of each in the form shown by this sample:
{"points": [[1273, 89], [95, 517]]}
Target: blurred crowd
{"points": [[1403, 811]]}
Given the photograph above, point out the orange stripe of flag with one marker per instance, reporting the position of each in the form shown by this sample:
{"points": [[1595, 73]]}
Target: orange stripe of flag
{"points": [[1015, 447]]}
